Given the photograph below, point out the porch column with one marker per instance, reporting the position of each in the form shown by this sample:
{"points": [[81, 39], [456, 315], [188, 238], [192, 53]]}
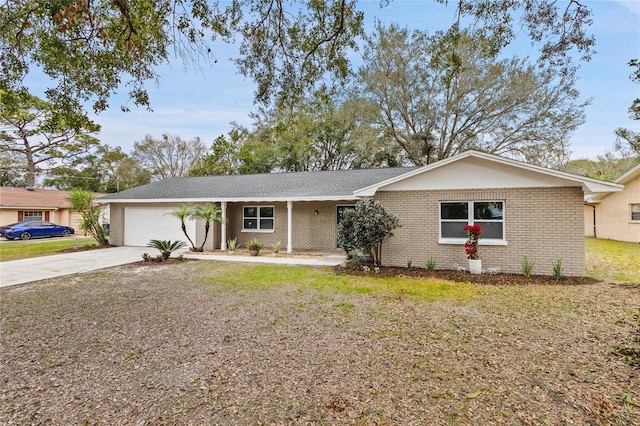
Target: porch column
{"points": [[223, 226], [289, 226]]}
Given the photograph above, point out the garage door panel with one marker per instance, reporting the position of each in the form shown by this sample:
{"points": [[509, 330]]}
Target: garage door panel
{"points": [[142, 224]]}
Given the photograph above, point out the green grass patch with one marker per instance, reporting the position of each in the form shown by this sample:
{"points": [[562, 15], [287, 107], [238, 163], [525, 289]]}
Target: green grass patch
{"points": [[26, 249], [262, 277], [613, 260]]}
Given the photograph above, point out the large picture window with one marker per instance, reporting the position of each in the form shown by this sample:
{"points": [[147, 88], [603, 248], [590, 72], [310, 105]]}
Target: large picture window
{"points": [[455, 215], [257, 218]]}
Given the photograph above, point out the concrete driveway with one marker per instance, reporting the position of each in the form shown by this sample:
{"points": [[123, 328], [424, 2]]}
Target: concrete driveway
{"points": [[40, 268], [57, 265]]}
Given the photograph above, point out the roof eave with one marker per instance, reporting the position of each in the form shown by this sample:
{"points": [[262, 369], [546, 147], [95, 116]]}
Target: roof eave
{"points": [[630, 175], [604, 188], [228, 199], [589, 185], [34, 207]]}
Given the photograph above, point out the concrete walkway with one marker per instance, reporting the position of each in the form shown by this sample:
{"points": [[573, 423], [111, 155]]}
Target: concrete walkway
{"points": [[57, 265]]}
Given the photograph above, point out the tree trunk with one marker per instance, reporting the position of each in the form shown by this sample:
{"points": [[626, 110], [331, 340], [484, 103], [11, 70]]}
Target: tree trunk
{"points": [[31, 168]]}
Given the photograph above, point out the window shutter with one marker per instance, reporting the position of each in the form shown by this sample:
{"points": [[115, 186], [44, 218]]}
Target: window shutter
{"points": [[46, 215], [20, 215]]}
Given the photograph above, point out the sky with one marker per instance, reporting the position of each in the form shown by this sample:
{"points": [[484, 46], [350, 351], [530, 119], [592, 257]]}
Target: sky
{"points": [[202, 103]]}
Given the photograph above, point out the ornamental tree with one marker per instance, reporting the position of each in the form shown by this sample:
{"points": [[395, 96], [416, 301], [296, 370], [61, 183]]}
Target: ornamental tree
{"points": [[183, 212], [365, 228], [208, 214], [84, 202]]}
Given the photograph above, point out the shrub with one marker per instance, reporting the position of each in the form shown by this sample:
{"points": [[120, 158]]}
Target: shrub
{"points": [[365, 228], [232, 244]]}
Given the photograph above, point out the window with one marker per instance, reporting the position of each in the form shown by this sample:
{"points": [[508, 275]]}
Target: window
{"points": [[257, 218], [635, 212], [33, 215], [454, 216]]}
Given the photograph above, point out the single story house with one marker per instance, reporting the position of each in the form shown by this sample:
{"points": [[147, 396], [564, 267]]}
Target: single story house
{"points": [[615, 215], [524, 210], [21, 204]]}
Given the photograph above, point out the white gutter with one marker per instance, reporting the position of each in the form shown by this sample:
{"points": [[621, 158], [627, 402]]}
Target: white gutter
{"points": [[227, 200]]}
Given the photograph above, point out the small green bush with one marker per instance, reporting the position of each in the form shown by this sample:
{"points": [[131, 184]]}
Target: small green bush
{"points": [[557, 269], [254, 245], [431, 264], [527, 266]]}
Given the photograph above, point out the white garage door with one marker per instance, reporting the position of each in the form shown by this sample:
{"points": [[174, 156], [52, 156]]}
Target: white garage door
{"points": [[142, 224]]}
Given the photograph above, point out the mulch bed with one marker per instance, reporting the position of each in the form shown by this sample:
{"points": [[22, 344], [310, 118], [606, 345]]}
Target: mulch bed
{"points": [[393, 271], [441, 274], [460, 276]]}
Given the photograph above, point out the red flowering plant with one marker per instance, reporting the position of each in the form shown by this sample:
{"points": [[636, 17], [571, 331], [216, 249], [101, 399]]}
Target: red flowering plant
{"points": [[474, 233]]}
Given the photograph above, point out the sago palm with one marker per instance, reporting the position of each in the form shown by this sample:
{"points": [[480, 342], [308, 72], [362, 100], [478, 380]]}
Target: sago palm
{"points": [[166, 247]]}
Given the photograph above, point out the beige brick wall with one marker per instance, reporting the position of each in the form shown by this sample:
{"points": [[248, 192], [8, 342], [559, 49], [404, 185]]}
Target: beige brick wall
{"points": [[544, 224], [310, 231]]}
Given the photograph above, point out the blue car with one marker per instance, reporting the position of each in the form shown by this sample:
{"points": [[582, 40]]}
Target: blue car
{"points": [[34, 229]]}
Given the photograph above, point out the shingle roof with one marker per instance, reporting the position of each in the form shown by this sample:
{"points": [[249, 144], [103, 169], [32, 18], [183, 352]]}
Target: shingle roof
{"points": [[38, 198], [299, 185]]}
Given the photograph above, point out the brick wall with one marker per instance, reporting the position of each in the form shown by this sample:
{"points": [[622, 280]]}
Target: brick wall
{"points": [[544, 224], [310, 231]]}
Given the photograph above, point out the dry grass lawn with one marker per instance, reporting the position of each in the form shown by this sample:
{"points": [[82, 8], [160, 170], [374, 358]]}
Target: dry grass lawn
{"points": [[206, 343]]}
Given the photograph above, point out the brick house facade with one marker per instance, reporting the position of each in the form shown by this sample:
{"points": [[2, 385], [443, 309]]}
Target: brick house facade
{"points": [[526, 210], [531, 230]]}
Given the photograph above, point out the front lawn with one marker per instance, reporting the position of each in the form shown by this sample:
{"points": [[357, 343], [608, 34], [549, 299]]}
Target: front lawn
{"points": [[610, 260], [14, 250], [221, 343]]}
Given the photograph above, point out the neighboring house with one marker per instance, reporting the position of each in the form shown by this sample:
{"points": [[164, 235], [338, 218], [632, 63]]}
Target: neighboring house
{"points": [[524, 210], [615, 215], [21, 204]]}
